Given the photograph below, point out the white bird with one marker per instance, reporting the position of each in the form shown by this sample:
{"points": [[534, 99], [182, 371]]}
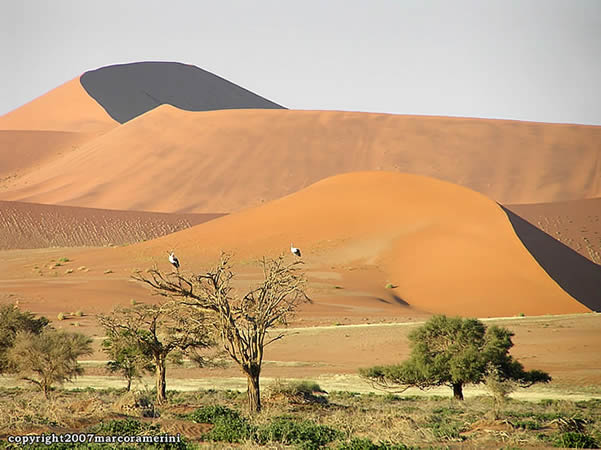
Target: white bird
{"points": [[173, 260], [294, 250]]}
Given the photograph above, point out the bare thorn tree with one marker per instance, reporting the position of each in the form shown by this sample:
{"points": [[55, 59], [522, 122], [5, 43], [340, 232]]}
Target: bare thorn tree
{"points": [[243, 323], [161, 330]]}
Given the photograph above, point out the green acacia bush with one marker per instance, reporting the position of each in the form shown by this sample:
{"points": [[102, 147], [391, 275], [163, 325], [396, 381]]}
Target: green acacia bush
{"points": [[454, 352]]}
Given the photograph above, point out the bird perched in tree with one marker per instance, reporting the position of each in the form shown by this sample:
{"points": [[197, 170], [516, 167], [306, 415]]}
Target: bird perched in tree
{"points": [[295, 251], [173, 260]]}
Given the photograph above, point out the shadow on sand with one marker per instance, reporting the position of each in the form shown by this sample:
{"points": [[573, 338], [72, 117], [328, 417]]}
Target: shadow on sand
{"points": [[575, 274]]}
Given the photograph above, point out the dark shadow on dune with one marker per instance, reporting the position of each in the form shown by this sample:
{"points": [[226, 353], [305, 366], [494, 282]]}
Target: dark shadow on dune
{"points": [[126, 91], [576, 275], [399, 300]]}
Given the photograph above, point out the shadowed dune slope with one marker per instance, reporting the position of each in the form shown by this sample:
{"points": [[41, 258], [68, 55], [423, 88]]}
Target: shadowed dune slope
{"points": [[126, 91], [65, 108], [171, 160], [29, 225], [577, 275], [447, 248], [22, 150], [576, 223]]}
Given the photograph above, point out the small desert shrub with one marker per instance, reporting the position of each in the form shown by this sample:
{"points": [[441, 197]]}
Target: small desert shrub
{"points": [[63, 260], [573, 439], [61, 316], [298, 391], [366, 444], [390, 286], [445, 427], [107, 271], [499, 387], [69, 271], [527, 424], [135, 404], [79, 313], [229, 425]]}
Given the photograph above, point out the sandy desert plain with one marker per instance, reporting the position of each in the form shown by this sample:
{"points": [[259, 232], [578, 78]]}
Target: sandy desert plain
{"points": [[398, 218]]}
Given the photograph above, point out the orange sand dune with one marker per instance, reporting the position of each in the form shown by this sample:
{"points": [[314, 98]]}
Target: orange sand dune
{"points": [[65, 108], [30, 225], [171, 160], [446, 248], [22, 150]]}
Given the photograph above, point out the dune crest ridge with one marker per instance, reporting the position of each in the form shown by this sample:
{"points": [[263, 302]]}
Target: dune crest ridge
{"points": [[224, 161]]}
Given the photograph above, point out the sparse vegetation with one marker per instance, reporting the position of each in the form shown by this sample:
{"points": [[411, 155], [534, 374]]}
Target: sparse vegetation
{"points": [[61, 316], [348, 421]]}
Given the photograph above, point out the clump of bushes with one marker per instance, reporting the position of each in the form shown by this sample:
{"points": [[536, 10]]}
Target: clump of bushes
{"points": [[298, 392], [305, 434], [366, 444], [574, 439], [230, 426]]}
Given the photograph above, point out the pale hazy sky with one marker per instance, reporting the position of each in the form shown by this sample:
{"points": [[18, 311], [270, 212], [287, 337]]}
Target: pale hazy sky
{"points": [[534, 60]]}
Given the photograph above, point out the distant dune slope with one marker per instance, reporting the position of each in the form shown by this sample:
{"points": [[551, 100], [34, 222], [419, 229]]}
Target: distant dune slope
{"points": [[29, 225], [65, 108], [171, 160], [22, 150], [126, 91], [446, 248]]}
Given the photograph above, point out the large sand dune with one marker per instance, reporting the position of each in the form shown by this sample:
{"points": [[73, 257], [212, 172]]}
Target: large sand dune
{"points": [[65, 108], [30, 225], [169, 160], [126, 91], [448, 249]]}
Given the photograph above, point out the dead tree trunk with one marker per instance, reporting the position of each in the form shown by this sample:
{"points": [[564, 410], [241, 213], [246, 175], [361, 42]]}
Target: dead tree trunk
{"points": [[253, 390]]}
